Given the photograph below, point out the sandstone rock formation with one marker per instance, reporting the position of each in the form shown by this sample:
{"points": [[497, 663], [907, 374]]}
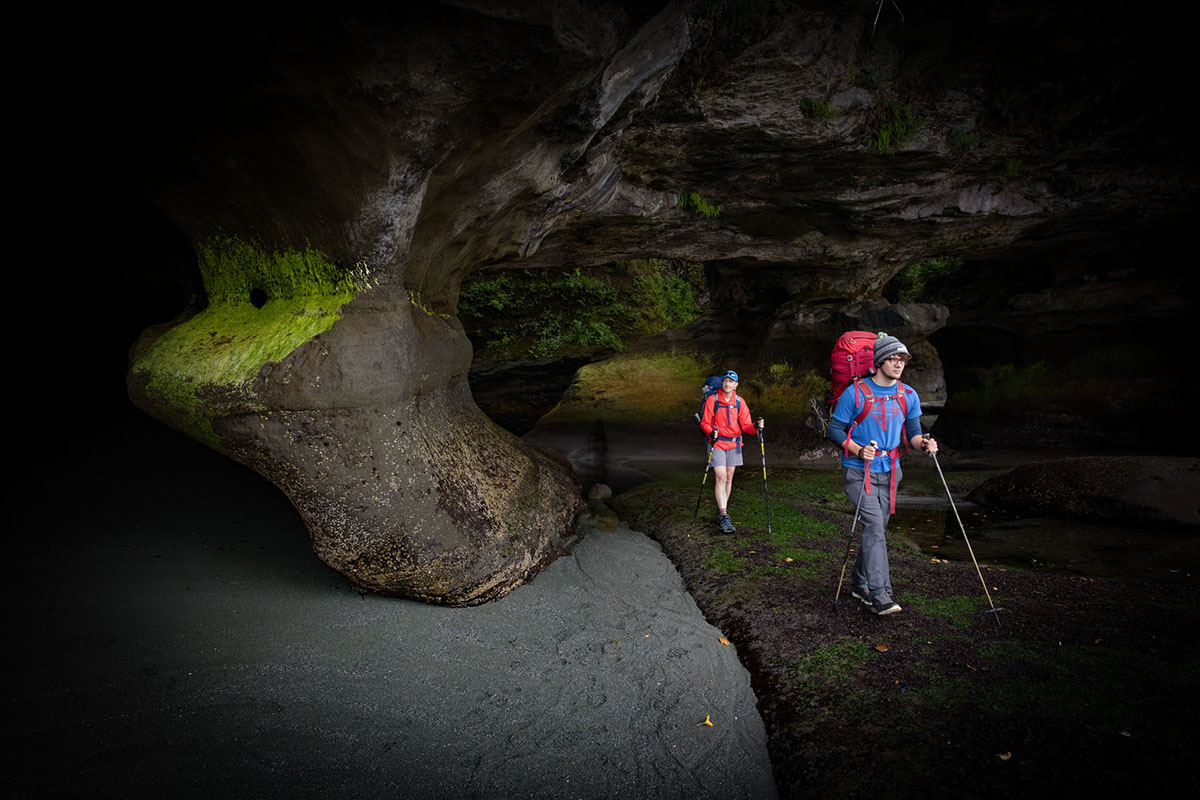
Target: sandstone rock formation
{"points": [[338, 175]]}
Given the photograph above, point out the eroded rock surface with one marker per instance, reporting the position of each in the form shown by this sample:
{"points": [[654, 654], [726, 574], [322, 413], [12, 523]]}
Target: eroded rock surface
{"points": [[359, 167], [339, 175]]}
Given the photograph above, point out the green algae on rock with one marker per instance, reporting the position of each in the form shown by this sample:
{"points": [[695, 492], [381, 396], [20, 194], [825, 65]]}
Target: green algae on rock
{"points": [[261, 307]]}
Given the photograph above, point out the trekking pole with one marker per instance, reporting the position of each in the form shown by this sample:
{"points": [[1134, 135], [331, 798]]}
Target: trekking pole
{"points": [[700, 494], [849, 549], [850, 544], [995, 612], [766, 499]]}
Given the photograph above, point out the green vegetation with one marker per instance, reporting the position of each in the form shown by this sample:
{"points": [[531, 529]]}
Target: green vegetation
{"points": [[694, 202], [818, 109], [1013, 167], [1078, 687], [962, 140], [899, 125], [802, 554], [261, 307], [556, 312], [721, 559], [232, 268], [638, 388], [618, 389], [749, 511], [829, 666], [783, 391], [819, 486], [927, 281], [959, 610], [670, 291]]}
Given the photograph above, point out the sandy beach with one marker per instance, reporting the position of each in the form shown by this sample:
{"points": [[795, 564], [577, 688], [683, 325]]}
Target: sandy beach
{"points": [[175, 635]]}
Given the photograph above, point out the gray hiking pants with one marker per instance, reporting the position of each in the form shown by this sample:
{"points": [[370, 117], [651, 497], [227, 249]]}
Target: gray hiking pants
{"points": [[871, 566]]}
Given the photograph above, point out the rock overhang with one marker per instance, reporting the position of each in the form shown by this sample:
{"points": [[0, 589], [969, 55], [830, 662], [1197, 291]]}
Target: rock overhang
{"points": [[426, 146]]}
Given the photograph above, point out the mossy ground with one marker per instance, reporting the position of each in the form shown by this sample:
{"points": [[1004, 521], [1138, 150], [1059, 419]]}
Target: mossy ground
{"points": [[634, 387], [1085, 683], [638, 388]]}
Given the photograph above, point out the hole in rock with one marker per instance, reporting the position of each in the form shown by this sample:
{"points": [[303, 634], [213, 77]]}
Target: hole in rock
{"points": [[258, 298]]}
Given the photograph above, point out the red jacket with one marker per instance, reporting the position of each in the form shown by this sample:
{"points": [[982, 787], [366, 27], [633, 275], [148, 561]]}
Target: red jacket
{"points": [[731, 420]]}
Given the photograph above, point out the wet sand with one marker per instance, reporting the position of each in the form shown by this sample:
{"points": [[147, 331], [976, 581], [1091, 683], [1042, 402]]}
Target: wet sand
{"points": [[175, 635]]}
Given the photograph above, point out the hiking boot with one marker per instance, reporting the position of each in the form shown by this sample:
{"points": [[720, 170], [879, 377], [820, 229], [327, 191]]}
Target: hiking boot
{"points": [[727, 524], [861, 593], [884, 605]]}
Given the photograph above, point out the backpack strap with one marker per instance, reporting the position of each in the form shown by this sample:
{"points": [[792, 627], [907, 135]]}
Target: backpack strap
{"points": [[737, 406], [868, 403]]}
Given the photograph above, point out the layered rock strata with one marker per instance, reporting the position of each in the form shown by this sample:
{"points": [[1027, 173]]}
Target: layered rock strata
{"points": [[339, 175]]}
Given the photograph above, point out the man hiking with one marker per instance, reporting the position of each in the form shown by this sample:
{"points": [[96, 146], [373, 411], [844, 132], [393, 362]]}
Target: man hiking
{"points": [[726, 417], [877, 411]]}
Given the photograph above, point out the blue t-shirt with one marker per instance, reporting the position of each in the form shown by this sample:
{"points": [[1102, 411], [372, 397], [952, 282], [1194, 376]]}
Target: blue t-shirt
{"points": [[884, 425]]}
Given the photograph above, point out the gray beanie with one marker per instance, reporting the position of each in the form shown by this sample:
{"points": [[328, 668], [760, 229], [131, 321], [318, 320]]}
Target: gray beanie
{"points": [[888, 346]]}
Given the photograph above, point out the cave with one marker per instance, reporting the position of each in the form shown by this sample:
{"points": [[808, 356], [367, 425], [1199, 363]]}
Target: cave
{"points": [[306, 207]]}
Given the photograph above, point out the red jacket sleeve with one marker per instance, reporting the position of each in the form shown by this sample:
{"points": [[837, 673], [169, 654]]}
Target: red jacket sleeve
{"points": [[706, 419]]}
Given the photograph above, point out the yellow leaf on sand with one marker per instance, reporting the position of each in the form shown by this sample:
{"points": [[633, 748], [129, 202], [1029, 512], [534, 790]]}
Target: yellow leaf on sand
{"points": [[1004, 756], [788, 560], [707, 721], [724, 641], [883, 648]]}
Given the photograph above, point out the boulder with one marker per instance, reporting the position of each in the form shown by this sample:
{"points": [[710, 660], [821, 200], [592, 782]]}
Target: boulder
{"points": [[1135, 490]]}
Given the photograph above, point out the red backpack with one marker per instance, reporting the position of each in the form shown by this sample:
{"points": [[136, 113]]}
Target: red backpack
{"points": [[853, 357]]}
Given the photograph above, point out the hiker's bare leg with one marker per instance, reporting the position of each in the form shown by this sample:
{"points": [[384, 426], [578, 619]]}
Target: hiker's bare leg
{"points": [[723, 485]]}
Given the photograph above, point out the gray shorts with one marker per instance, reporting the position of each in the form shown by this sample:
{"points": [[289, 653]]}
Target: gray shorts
{"points": [[726, 458]]}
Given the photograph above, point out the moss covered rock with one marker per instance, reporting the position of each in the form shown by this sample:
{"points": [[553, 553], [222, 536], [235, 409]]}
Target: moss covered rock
{"points": [[358, 409]]}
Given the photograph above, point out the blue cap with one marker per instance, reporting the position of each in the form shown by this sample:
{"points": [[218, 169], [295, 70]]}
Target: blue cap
{"points": [[731, 375]]}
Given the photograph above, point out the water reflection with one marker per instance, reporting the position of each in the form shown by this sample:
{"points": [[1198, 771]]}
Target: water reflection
{"points": [[1085, 548]]}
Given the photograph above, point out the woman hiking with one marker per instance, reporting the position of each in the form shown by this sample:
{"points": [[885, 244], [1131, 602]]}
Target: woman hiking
{"points": [[726, 418]]}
